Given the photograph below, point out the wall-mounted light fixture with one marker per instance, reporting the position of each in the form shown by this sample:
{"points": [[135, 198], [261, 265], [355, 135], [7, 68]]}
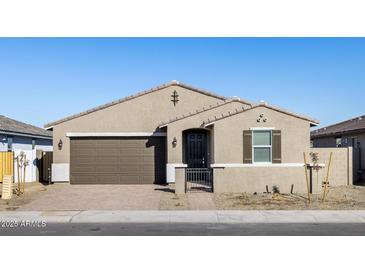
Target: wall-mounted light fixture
{"points": [[60, 144], [174, 142]]}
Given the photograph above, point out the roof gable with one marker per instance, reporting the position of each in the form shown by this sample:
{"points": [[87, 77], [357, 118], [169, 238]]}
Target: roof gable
{"points": [[136, 95], [204, 109], [208, 122]]}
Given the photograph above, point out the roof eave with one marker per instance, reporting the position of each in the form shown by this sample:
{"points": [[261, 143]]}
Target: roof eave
{"points": [[343, 132], [39, 136]]}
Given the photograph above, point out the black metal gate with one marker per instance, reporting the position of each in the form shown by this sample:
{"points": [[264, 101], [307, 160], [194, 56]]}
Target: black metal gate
{"points": [[199, 179]]}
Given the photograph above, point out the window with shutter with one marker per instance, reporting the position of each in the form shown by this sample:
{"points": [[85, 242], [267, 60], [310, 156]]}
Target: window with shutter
{"points": [[247, 147], [262, 146], [276, 146]]}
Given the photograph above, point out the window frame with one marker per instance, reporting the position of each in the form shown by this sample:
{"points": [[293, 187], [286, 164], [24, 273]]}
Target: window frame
{"points": [[9, 147], [261, 146]]}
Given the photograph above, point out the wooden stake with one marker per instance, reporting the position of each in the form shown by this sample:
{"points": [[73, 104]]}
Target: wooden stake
{"points": [[24, 171], [18, 172], [306, 176], [325, 190], [23, 183]]}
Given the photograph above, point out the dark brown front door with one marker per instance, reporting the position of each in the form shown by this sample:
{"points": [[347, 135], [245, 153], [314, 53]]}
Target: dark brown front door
{"points": [[132, 160], [196, 154]]}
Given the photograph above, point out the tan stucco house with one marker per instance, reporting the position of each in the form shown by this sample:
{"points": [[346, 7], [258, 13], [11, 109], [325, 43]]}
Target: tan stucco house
{"points": [[175, 133]]}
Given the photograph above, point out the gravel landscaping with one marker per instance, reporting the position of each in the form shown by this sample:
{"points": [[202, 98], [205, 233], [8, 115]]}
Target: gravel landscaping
{"points": [[38, 197], [339, 198], [32, 192]]}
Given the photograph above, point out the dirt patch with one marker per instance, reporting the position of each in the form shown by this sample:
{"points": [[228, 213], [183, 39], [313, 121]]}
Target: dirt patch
{"points": [[172, 201], [32, 191], [339, 198]]}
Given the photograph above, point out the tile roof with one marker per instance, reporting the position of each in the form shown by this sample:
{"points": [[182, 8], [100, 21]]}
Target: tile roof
{"points": [[210, 107], [171, 83], [9, 125], [238, 111], [354, 124]]}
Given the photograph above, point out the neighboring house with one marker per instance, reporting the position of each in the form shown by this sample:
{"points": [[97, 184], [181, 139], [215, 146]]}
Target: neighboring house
{"points": [[157, 135], [17, 136], [349, 133]]}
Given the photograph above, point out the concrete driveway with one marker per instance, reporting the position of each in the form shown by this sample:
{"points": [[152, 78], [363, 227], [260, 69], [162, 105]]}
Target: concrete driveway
{"points": [[98, 197]]}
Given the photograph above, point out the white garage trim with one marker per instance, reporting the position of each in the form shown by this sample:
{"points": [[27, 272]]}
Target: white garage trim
{"points": [[115, 134]]}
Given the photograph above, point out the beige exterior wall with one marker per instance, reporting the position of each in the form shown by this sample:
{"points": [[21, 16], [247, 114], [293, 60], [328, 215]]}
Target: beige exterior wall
{"points": [[255, 178], [227, 148], [228, 139], [180, 180], [141, 114], [341, 165], [175, 130]]}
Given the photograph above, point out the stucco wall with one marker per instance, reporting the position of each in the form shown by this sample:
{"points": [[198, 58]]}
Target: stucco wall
{"points": [[175, 130], [341, 165], [228, 139], [141, 114], [255, 178]]}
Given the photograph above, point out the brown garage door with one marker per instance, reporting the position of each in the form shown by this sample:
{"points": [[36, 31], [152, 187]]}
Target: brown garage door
{"points": [[139, 160]]}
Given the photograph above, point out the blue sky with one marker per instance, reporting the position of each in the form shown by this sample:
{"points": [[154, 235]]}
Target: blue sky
{"points": [[45, 79]]}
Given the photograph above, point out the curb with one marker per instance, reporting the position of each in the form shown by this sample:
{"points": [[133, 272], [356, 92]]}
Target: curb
{"points": [[223, 217]]}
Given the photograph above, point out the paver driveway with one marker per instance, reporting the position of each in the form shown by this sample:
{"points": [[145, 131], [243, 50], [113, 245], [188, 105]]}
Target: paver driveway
{"points": [[98, 197]]}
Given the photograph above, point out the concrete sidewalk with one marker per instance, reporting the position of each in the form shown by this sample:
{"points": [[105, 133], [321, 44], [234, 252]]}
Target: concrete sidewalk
{"points": [[216, 217]]}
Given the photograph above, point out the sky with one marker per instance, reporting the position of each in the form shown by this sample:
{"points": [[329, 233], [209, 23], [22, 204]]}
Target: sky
{"points": [[45, 79]]}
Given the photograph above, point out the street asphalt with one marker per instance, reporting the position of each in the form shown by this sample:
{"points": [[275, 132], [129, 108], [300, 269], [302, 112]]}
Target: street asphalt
{"points": [[189, 229]]}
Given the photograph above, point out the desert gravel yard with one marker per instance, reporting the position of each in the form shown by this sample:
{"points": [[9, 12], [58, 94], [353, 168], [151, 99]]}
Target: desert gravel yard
{"points": [[339, 198], [38, 197], [33, 191]]}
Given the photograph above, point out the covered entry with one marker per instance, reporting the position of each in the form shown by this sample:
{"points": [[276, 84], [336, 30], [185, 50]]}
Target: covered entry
{"points": [[118, 160], [196, 151]]}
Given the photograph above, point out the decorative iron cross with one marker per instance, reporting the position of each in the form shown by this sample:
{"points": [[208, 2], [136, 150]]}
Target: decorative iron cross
{"points": [[175, 97]]}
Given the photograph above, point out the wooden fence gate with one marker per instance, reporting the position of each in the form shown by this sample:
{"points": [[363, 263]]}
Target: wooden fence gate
{"points": [[6, 164], [44, 164]]}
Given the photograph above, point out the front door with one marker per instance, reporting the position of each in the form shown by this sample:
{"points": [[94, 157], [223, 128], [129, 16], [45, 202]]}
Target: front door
{"points": [[196, 150]]}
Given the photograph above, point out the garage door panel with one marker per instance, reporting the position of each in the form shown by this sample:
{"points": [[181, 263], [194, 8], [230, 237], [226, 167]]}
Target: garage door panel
{"points": [[117, 160], [107, 169], [83, 179], [111, 179]]}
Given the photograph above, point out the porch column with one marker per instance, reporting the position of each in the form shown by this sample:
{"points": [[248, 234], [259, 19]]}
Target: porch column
{"points": [[179, 180]]}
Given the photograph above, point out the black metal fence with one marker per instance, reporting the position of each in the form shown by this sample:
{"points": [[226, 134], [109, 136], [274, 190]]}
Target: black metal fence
{"points": [[199, 179]]}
